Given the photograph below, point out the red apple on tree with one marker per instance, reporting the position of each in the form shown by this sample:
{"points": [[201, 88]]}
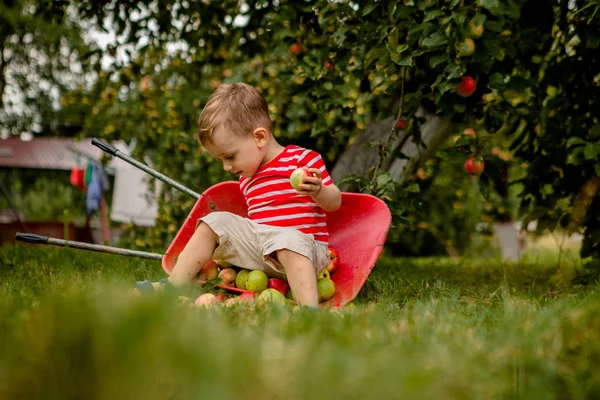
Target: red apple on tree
{"points": [[474, 166], [329, 65], [278, 284], [334, 260], [401, 124], [467, 86], [470, 132], [295, 48]]}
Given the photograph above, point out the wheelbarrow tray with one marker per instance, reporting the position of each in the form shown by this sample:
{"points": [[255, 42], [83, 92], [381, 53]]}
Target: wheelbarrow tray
{"points": [[357, 230]]}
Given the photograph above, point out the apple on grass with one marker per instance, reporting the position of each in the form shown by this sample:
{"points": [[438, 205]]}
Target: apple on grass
{"points": [[270, 296], [228, 276], [209, 271], [257, 281], [279, 285], [241, 278], [325, 286], [206, 300]]}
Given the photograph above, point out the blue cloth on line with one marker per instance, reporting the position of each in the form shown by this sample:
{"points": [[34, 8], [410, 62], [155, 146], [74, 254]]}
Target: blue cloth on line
{"points": [[98, 185]]}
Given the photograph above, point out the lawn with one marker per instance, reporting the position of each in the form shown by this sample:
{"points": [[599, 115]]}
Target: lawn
{"points": [[422, 329]]}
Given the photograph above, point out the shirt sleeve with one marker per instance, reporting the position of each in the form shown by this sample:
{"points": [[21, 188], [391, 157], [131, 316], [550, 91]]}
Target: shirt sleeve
{"points": [[312, 159]]}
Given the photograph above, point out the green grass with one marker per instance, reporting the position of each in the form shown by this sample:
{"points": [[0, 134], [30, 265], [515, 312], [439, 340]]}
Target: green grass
{"points": [[422, 329]]}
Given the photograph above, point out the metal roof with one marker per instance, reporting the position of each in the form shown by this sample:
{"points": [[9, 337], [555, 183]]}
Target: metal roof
{"points": [[49, 153]]}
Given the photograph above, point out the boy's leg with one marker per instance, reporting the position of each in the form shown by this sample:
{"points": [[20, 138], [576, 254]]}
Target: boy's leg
{"points": [[301, 276], [197, 252]]}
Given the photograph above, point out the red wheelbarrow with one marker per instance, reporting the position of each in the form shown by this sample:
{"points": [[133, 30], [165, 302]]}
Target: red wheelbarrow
{"points": [[357, 230]]}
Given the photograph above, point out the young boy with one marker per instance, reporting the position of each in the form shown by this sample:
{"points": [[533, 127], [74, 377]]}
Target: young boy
{"points": [[286, 232]]}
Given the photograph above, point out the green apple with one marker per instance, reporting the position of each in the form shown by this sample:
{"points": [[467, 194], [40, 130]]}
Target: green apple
{"points": [[466, 48], [271, 296], [257, 281], [325, 289], [241, 278], [297, 177]]}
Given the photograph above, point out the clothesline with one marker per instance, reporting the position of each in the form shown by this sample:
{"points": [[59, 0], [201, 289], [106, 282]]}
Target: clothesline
{"points": [[81, 153]]}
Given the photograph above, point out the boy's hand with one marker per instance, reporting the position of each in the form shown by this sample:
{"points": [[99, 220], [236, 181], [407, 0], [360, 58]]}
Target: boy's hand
{"points": [[311, 185]]}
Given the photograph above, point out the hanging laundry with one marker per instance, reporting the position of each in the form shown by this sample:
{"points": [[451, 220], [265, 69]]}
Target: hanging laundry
{"points": [[78, 174], [88, 172], [98, 184]]}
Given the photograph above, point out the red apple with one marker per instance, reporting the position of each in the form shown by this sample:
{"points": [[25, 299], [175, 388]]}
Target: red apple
{"points": [[209, 271], [206, 300], [467, 86], [228, 276], [247, 296], [329, 65], [474, 166], [221, 297], [297, 177], [401, 124], [279, 285], [295, 48], [470, 132], [334, 260]]}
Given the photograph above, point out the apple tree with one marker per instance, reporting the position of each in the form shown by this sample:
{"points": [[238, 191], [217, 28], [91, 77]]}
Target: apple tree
{"points": [[386, 81]]}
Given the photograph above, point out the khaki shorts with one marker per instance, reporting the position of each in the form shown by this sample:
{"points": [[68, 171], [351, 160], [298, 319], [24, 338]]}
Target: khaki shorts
{"points": [[249, 245]]}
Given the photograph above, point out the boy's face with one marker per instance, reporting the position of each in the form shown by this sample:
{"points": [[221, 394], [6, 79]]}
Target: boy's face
{"points": [[240, 155]]}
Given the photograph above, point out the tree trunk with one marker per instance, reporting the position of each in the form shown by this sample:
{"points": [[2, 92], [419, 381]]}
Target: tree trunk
{"points": [[360, 157]]}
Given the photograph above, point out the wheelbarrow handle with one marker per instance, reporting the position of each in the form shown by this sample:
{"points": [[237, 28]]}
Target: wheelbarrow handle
{"points": [[39, 239], [31, 238], [105, 147], [117, 153]]}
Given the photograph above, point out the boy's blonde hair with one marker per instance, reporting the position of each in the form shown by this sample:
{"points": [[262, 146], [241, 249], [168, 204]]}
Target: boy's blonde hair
{"points": [[239, 107]]}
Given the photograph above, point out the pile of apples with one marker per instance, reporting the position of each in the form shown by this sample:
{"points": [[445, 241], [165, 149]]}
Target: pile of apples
{"points": [[257, 286]]}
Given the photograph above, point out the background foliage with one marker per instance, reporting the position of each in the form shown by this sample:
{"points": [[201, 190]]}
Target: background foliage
{"points": [[328, 69]]}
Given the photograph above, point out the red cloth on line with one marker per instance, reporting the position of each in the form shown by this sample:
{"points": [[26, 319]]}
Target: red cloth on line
{"points": [[272, 200], [78, 176]]}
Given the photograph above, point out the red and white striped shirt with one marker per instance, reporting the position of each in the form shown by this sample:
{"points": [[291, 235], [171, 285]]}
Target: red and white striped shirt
{"points": [[272, 200]]}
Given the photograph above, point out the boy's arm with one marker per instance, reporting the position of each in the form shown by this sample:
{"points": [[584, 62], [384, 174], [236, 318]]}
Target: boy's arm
{"points": [[327, 197]]}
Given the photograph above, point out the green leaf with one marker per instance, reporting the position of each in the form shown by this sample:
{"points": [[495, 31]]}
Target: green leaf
{"points": [[497, 81], [435, 40], [493, 26], [459, 17], [437, 81], [452, 155], [369, 8], [384, 179], [484, 186], [338, 37], [433, 14], [479, 19], [453, 71], [406, 61], [575, 140], [493, 6], [413, 188], [460, 107], [436, 60], [590, 152]]}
